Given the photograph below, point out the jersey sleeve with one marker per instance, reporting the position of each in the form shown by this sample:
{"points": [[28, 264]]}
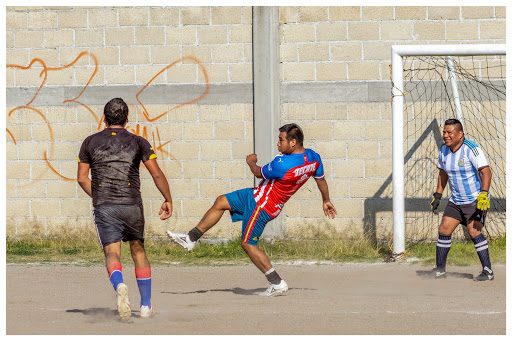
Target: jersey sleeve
{"points": [[275, 169], [477, 158], [147, 152], [83, 155], [440, 159], [319, 174]]}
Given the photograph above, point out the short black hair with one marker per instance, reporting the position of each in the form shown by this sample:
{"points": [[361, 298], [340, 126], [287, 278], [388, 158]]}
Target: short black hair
{"points": [[454, 122], [116, 112], [293, 132]]}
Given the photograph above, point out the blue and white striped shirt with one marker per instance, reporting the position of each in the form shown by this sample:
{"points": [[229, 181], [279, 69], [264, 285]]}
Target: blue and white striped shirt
{"points": [[462, 168]]}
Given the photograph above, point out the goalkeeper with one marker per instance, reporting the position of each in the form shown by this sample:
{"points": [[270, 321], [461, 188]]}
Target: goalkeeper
{"points": [[463, 164]]}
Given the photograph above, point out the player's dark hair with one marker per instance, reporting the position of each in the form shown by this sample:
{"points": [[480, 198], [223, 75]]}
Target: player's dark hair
{"points": [[454, 122], [293, 132], [116, 112]]}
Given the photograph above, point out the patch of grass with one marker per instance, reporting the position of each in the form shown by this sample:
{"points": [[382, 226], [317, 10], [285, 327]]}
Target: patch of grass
{"points": [[335, 248]]}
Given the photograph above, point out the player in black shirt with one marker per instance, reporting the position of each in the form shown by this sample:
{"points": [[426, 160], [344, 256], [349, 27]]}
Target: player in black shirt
{"points": [[113, 156]]}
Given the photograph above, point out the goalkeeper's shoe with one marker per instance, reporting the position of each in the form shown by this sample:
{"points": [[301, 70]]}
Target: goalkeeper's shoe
{"points": [[183, 239], [275, 289], [123, 303], [486, 275], [483, 201], [146, 312]]}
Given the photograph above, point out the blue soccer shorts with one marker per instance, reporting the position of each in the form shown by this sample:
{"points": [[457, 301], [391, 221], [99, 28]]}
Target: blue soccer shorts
{"points": [[253, 217]]}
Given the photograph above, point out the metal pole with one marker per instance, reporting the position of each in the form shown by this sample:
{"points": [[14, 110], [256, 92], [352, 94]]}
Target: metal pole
{"points": [[398, 153], [455, 89]]}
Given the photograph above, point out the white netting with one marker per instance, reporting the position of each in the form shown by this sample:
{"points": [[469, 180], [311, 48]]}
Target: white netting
{"points": [[428, 102]]}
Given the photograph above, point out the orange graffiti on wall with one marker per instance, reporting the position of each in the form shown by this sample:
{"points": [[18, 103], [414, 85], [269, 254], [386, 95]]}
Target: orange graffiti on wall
{"points": [[44, 74]]}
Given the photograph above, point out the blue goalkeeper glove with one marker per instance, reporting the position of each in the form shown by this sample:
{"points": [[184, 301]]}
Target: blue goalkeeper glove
{"points": [[434, 204], [483, 201]]}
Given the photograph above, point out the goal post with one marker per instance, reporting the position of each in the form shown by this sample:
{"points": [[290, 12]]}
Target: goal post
{"points": [[398, 53]]}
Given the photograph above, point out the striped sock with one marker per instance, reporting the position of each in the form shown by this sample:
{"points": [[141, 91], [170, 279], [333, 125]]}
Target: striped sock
{"points": [[444, 242], [482, 249], [115, 274], [144, 282]]}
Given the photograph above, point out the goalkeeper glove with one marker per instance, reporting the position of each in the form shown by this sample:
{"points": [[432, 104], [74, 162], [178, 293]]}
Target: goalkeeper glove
{"points": [[434, 204], [483, 201]]}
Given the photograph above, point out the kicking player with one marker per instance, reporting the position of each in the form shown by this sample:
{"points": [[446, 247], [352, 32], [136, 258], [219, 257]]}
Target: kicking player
{"points": [[462, 162], [113, 156], [257, 206]]}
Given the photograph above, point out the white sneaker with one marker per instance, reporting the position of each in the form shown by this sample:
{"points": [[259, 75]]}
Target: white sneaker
{"points": [[275, 289], [183, 239], [146, 312], [123, 303]]}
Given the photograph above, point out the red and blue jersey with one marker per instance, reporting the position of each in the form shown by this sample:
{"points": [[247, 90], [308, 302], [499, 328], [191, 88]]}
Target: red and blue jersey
{"points": [[283, 177]]}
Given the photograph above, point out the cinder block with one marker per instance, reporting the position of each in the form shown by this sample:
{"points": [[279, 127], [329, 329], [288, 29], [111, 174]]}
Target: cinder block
{"points": [[307, 191], [331, 111], [29, 39], [299, 33], [89, 37], [137, 16], [364, 188], [165, 54], [379, 130], [349, 208], [50, 56], [377, 50], [492, 30], [378, 168], [313, 52], [64, 151], [363, 30], [443, 12], [45, 208], [9, 40], [212, 34], [32, 150], [477, 12], [198, 169], [106, 56], [185, 113], [230, 169], [311, 209], [119, 36], [119, 75], [164, 16], [198, 131], [363, 71], [313, 13], [344, 13], [241, 111], [214, 112], [331, 149], [410, 12], [18, 170], [185, 188], [134, 55], [461, 30], [203, 54], [377, 12], [16, 20], [396, 30], [430, 30], [72, 19], [215, 150], [346, 51], [295, 72], [224, 15], [41, 132], [247, 15], [288, 53], [338, 188], [76, 208], [103, 18], [218, 73], [62, 115], [240, 34], [185, 150], [287, 14], [229, 130], [180, 35], [299, 111], [58, 38], [363, 149], [331, 31], [500, 11], [349, 130], [195, 15], [318, 130], [19, 57], [76, 132], [241, 149], [227, 53], [149, 35], [68, 55], [42, 20]]}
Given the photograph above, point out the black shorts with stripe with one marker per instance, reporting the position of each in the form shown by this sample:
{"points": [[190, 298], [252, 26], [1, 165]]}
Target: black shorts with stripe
{"points": [[116, 223], [465, 213]]}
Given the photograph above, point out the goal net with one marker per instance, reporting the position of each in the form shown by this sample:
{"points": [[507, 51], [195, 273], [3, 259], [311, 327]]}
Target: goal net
{"points": [[436, 88]]}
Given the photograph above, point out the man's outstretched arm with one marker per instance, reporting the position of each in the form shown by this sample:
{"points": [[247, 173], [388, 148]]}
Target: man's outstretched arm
{"points": [[329, 209], [251, 160], [162, 185]]}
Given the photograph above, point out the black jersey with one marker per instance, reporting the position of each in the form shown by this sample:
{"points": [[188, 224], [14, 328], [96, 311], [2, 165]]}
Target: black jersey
{"points": [[114, 156]]}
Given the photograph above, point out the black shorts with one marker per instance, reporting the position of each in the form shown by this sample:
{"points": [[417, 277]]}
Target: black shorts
{"points": [[116, 223], [465, 213]]}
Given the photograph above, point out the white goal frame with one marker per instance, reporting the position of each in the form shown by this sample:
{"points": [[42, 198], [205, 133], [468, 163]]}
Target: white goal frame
{"points": [[397, 54]]}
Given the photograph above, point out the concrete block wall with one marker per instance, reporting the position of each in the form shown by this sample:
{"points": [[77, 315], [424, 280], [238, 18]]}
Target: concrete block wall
{"points": [[192, 70]]}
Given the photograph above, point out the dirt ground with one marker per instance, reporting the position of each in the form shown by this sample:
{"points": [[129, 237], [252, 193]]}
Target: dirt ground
{"points": [[344, 299]]}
